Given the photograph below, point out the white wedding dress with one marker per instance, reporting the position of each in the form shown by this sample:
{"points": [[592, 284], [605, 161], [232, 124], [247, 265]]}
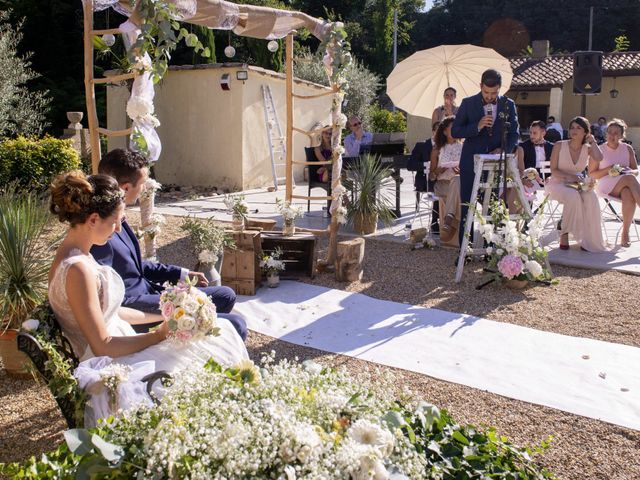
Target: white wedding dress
{"points": [[226, 348]]}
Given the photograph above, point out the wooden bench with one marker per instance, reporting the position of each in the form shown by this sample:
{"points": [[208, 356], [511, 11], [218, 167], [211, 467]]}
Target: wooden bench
{"points": [[68, 397]]}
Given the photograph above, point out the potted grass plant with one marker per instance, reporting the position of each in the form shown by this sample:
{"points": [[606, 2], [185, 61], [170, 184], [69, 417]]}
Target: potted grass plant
{"points": [[24, 265], [368, 180]]}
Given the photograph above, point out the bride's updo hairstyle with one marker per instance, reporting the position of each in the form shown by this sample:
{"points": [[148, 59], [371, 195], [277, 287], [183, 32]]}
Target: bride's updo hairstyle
{"points": [[74, 196]]}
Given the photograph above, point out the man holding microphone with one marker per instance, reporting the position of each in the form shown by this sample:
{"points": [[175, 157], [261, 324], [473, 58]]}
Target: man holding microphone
{"points": [[479, 121]]}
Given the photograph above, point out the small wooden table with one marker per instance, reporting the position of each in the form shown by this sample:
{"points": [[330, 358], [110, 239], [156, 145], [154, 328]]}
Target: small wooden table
{"points": [[298, 252]]}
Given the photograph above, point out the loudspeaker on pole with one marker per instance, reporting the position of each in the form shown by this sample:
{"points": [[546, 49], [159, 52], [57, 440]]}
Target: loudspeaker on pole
{"points": [[587, 73]]}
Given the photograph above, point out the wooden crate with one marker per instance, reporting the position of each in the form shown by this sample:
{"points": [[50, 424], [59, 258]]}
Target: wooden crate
{"points": [[241, 267], [299, 252]]}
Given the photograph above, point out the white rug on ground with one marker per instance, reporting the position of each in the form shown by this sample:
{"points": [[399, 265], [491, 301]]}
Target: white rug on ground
{"points": [[578, 375]]}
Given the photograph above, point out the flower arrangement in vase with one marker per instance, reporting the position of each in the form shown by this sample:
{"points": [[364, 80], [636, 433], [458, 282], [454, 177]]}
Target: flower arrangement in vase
{"points": [[209, 242], [515, 256], [289, 214], [271, 266], [239, 210]]}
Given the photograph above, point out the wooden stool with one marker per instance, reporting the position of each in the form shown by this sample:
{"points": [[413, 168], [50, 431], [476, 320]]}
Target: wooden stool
{"points": [[349, 260]]}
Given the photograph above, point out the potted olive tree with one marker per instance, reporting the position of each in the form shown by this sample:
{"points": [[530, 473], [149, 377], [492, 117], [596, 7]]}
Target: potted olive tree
{"points": [[209, 241], [368, 180], [24, 264]]}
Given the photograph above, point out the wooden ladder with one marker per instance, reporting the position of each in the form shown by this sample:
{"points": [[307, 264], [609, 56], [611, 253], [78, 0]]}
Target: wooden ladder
{"points": [[90, 82]]}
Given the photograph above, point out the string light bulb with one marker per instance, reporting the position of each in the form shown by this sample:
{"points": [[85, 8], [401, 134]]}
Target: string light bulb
{"points": [[229, 51], [272, 46], [109, 39]]}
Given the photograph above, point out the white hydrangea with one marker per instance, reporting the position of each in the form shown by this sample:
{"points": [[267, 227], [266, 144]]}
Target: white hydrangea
{"points": [[534, 268], [207, 256]]}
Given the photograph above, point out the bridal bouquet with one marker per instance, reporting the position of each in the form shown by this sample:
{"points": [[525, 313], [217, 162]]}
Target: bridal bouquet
{"points": [[514, 254], [190, 313], [616, 170], [583, 184]]}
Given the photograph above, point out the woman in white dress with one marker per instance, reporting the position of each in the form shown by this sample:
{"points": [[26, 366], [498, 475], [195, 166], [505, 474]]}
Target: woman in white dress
{"points": [[445, 170], [623, 186], [86, 296]]}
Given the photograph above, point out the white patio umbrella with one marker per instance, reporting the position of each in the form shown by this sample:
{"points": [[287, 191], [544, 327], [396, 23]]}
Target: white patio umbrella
{"points": [[417, 83]]}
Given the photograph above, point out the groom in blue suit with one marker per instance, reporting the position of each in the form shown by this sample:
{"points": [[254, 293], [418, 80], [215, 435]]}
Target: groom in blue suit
{"points": [[143, 280], [479, 121]]}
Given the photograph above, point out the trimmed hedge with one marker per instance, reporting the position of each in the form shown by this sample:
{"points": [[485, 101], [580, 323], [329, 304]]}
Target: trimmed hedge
{"points": [[33, 162]]}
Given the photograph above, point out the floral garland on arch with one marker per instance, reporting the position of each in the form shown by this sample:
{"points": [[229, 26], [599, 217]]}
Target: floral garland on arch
{"points": [[335, 60], [151, 222]]}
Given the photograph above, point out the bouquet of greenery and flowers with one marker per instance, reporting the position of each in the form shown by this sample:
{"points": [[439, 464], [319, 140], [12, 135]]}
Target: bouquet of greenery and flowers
{"points": [[208, 239], [289, 213], [237, 206], [512, 253], [270, 263]]}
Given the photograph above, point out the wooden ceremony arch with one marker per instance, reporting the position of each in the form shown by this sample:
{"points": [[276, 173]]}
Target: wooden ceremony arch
{"points": [[244, 20]]}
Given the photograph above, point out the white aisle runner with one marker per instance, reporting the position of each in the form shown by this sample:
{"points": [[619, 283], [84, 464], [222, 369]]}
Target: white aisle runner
{"points": [[578, 375]]}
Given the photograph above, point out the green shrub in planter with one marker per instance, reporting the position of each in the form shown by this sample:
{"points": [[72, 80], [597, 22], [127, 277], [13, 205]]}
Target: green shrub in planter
{"points": [[33, 162], [385, 121]]}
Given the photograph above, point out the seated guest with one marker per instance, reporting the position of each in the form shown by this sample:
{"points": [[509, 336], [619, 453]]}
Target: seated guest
{"points": [[554, 130], [580, 207], [323, 153], [531, 153], [599, 130], [356, 138], [143, 281], [448, 108], [445, 170], [420, 155], [624, 183]]}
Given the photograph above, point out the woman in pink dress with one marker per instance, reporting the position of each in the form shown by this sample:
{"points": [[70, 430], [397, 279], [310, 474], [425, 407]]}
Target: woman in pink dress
{"points": [[580, 207], [623, 184]]}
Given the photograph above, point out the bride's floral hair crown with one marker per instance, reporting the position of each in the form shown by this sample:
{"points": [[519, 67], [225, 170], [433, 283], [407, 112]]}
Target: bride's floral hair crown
{"points": [[74, 196]]}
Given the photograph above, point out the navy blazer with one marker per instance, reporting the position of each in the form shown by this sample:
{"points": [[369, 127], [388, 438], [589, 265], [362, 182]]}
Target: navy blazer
{"points": [[142, 280], [420, 155], [465, 125], [530, 152]]}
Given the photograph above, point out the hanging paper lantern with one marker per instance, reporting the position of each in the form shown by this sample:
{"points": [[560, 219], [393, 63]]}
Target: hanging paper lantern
{"points": [[109, 39], [230, 51], [272, 46]]}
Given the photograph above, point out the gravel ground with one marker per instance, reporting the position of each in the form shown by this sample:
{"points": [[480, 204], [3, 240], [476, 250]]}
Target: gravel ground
{"points": [[593, 304]]}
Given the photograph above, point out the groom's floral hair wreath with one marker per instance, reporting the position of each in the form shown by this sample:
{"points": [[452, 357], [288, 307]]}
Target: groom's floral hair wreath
{"points": [[124, 165], [74, 196]]}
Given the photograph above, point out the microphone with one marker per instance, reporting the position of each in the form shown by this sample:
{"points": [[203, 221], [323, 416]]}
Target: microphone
{"points": [[490, 112]]}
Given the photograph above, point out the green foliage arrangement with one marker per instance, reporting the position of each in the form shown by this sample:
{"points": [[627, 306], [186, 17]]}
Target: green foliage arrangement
{"points": [[386, 121], [289, 420], [207, 236], [22, 111], [24, 258], [363, 83], [33, 162], [161, 33]]}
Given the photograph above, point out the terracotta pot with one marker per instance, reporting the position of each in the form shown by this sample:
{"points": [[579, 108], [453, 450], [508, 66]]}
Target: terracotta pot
{"points": [[13, 359], [516, 284], [365, 224]]}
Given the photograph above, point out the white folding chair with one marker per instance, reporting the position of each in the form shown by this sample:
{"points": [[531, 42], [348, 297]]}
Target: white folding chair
{"points": [[427, 200], [550, 206], [609, 213]]}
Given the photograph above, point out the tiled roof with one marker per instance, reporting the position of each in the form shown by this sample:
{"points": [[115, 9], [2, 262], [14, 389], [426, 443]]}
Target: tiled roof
{"points": [[554, 70]]}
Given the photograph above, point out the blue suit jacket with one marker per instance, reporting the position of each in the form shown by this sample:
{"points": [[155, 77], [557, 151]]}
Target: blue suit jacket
{"points": [[465, 126], [142, 280]]}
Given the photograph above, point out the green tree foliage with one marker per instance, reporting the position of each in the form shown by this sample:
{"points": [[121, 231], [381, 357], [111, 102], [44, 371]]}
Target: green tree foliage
{"points": [[564, 24], [21, 111], [363, 83], [385, 121]]}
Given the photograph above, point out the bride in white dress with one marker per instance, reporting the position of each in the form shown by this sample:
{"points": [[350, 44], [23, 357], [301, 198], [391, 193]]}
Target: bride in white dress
{"points": [[86, 296]]}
